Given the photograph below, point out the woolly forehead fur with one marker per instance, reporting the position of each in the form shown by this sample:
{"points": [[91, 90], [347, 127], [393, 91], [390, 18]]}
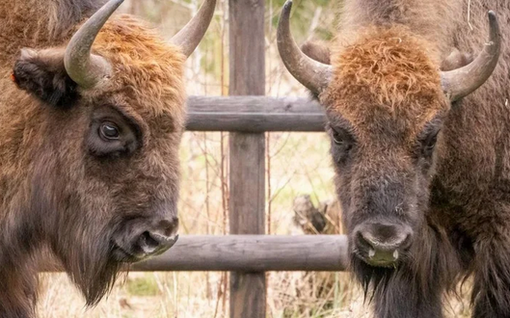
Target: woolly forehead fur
{"points": [[385, 77], [148, 72]]}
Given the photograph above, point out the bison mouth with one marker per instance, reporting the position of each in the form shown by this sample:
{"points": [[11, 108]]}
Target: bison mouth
{"points": [[381, 244], [122, 255], [147, 245], [378, 255], [388, 259]]}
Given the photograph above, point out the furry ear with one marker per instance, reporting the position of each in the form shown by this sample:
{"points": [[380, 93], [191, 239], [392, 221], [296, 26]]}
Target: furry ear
{"points": [[455, 60], [42, 73], [318, 51]]}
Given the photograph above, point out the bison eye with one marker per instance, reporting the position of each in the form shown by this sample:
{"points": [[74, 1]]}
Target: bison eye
{"points": [[342, 138], [109, 131], [337, 139], [429, 143], [112, 133]]}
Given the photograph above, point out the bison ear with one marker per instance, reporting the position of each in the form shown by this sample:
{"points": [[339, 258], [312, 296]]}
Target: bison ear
{"points": [[43, 74], [455, 60], [318, 51]]}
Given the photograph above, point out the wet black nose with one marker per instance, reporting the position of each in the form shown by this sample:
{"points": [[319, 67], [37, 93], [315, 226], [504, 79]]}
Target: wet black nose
{"points": [[159, 237], [382, 244]]}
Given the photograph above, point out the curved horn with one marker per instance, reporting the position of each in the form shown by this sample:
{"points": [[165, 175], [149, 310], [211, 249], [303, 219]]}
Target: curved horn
{"points": [[193, 32], [463, 81], [312, 74], [84, 68]]}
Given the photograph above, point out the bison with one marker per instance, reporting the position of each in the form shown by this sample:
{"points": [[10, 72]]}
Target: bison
{"points": [[418, 115], [91, 116]]}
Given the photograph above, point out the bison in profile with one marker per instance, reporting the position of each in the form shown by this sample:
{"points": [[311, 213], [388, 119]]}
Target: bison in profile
{"points": [[418, 115], [91, 116]]}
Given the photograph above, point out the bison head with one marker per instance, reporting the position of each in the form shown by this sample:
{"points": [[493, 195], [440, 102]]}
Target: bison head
{"points": [[105, 116], [386, 101]]}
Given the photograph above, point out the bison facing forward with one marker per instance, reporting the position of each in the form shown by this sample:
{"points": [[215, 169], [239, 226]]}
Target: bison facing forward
{"points": [[420, 145], [89, 132]]}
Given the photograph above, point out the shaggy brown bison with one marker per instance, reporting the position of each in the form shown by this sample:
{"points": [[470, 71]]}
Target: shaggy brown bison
{"points": [[91, 116], [421, 146]]}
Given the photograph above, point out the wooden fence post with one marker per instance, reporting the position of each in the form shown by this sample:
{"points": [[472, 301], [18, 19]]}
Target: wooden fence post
{"points": [[247, 162]]}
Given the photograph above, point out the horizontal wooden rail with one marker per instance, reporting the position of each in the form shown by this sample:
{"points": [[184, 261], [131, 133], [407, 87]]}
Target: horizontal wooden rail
{"points": [[254, 114], [252, 253]]}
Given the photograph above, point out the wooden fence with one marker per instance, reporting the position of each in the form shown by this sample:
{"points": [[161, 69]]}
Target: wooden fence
{"points": [[254, 114], [247, 114], [247, 253], [252, 254]]}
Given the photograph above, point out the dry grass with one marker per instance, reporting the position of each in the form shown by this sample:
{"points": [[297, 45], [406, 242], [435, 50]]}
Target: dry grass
{"points": [[299, 162], [195, 295]]}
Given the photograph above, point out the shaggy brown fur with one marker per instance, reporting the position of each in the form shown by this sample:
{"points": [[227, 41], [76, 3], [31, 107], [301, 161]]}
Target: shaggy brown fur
{"points": [[386, 110], [35, 23], [389, 74], [60, 189]]}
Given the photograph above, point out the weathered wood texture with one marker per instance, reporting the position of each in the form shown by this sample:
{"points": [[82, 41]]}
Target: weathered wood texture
{"points": [[247, 151], [254, 114], [252, 253]]}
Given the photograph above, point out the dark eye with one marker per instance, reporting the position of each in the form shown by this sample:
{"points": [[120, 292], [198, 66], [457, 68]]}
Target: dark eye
{"points": [[429, 143], [338, 138], [341, 138], [109, 131]]}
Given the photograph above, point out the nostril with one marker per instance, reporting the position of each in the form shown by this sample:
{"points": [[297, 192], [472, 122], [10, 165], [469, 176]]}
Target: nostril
{"points": [[153, 242], [151, 239], [148, 243], [368, 239], [158, 237]]}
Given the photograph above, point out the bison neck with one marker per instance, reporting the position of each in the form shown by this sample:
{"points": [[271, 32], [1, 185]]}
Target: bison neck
{"points": [[38, 23]]}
